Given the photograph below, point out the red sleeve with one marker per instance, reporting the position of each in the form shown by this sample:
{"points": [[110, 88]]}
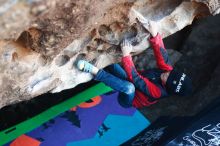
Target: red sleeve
{"points": [[134, 77], [160, 53], [128, 64]]}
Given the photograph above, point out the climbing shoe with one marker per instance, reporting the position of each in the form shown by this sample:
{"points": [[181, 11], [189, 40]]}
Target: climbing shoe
{"points": [[85, 66]]}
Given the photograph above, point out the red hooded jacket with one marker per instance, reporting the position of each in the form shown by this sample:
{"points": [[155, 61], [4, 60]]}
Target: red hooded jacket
{"points": [[147, 90]]}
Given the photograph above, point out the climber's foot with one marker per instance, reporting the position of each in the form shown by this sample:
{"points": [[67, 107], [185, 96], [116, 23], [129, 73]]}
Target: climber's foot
{"points": [[87, 67]]}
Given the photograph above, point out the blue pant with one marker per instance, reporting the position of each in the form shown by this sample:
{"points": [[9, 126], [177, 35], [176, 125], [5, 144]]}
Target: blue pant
{"points": [[115, 77]]}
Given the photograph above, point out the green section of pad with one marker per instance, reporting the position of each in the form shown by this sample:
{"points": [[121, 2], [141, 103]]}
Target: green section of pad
{"points": [[28, 125]]}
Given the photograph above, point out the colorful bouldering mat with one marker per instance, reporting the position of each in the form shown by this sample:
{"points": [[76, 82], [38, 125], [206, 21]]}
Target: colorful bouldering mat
{"points": [[100, 121]]}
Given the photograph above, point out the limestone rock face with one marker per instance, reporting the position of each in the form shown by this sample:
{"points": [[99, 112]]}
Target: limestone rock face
{"points": [[38, 53], [213, 5]]}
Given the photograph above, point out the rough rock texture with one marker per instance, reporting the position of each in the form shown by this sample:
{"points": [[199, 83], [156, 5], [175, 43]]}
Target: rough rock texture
{"points": [[42, 57], [213, 5], [14, 18]]}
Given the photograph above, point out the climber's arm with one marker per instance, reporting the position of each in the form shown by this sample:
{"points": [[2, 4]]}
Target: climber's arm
{"points": [[156, 41], [160, 53], [140, 82]]}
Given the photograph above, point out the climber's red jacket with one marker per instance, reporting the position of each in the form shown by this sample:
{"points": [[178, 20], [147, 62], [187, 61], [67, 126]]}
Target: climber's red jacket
{"points": [[149, 87]]}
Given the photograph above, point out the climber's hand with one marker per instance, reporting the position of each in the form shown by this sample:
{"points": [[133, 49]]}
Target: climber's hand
{"points": [[150, 26], [153, 28], [126, 47], [143, 20]]}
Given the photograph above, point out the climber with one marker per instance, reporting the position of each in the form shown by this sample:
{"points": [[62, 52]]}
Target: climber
{"points": [[145, 88]]}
